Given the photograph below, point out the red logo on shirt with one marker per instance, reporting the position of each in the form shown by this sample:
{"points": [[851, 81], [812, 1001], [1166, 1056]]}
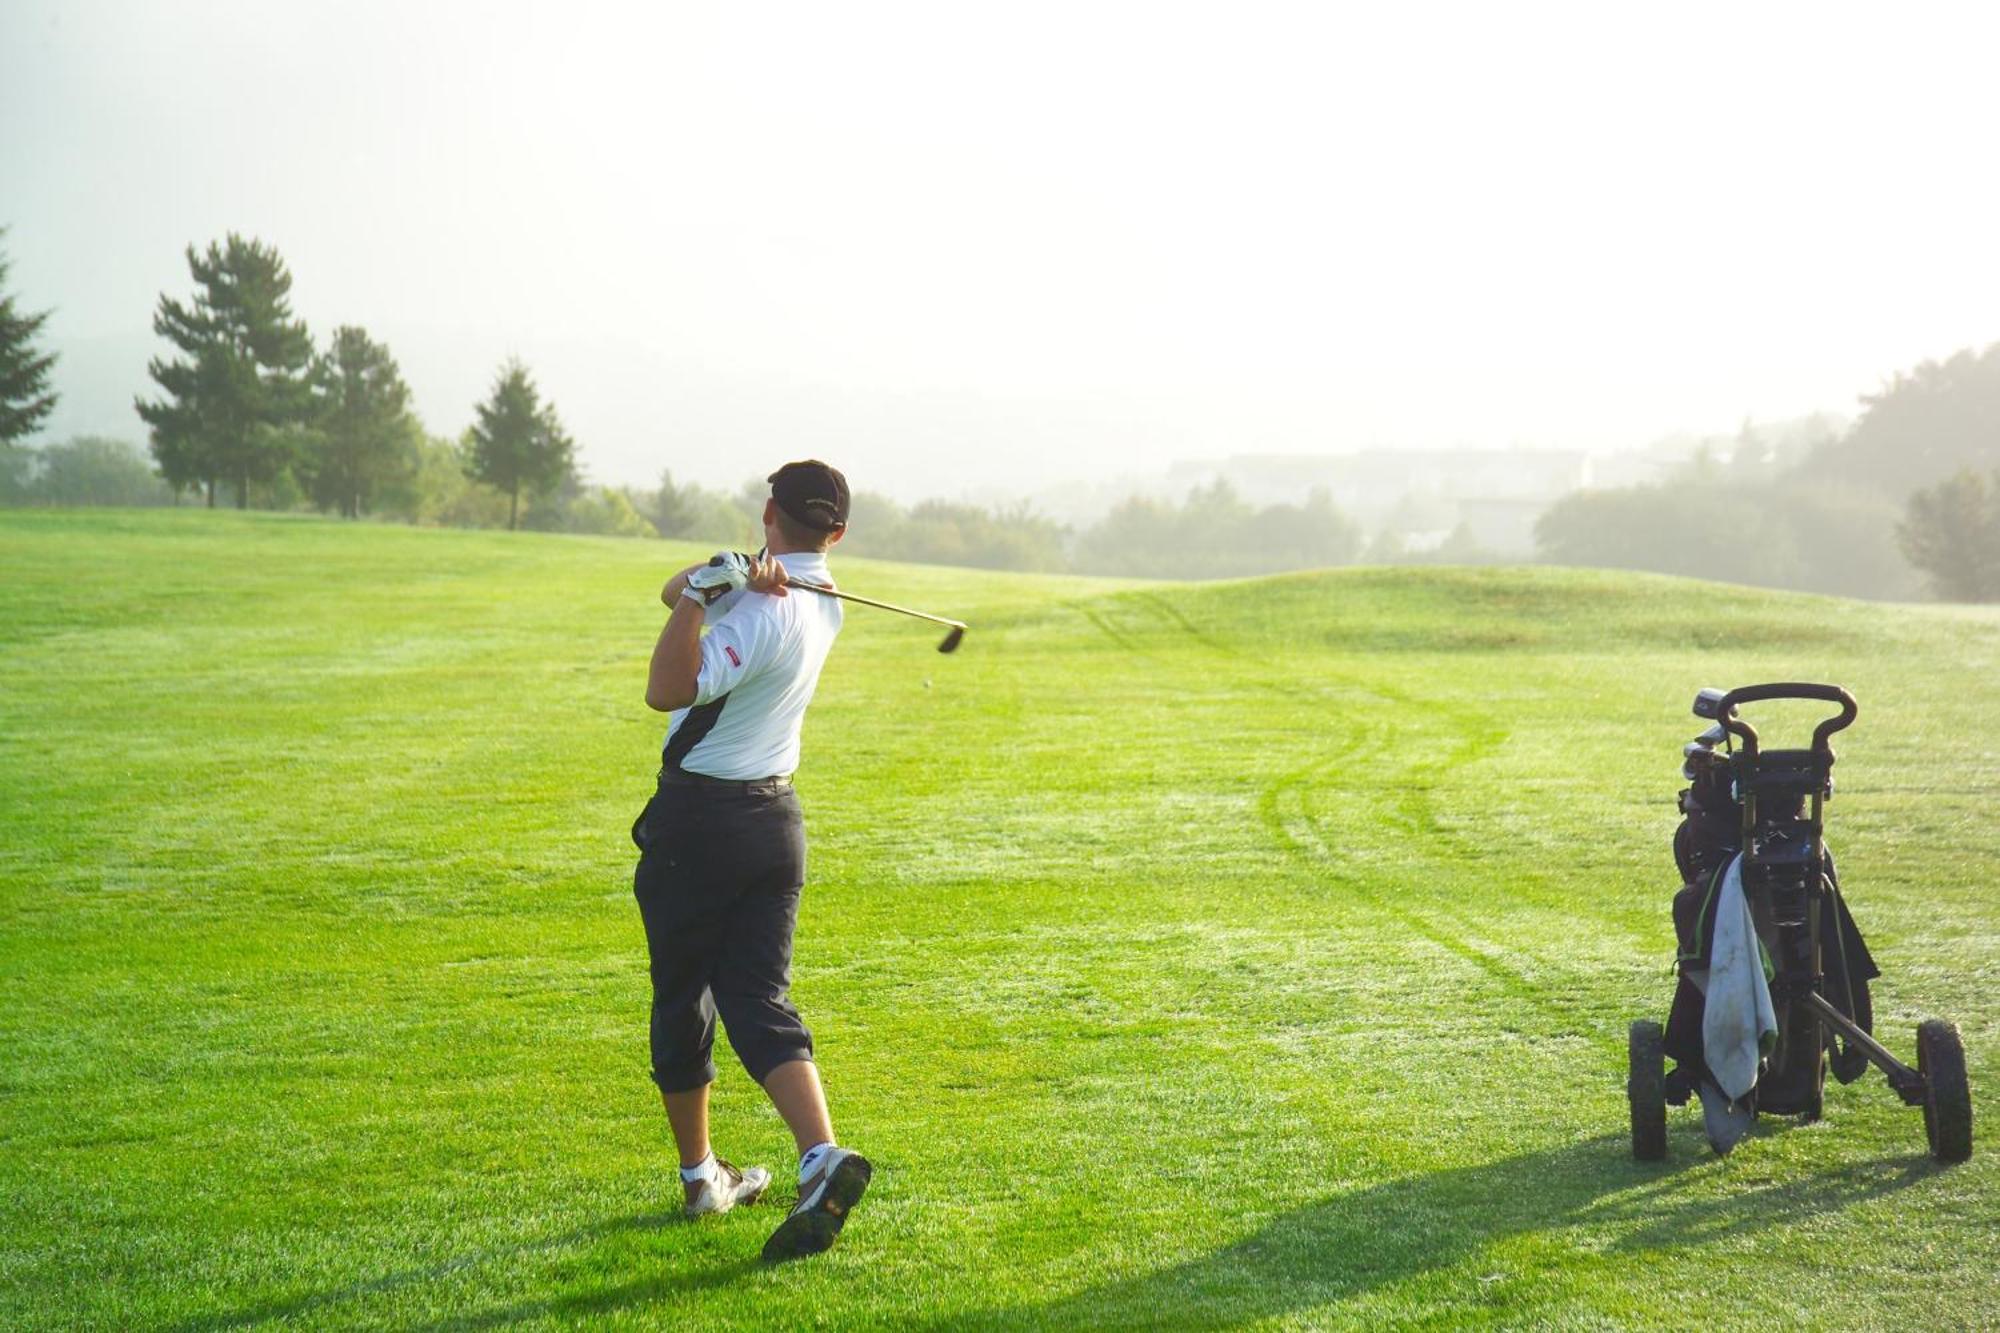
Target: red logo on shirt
{"points": [[734, 660]]}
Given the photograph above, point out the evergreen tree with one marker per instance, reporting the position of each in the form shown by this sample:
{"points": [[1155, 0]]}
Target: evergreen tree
{"points": [[236, 395], [686, 509], [364, 435], [518, 441], [25, 399]]}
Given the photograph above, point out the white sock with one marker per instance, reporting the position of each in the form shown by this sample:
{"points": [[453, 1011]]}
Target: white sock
{"points": [[809, 1161], [702, 1170]]}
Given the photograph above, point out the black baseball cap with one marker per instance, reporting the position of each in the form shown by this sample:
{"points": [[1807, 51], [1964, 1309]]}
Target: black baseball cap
{"points": [[812, 494]]}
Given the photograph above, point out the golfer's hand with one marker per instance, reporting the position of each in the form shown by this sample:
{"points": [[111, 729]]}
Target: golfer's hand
{"points": [[766, 575], [725, 572]]}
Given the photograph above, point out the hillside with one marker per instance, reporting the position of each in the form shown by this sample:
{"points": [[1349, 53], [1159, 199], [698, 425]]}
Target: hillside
{"points": [[1182, 954]]}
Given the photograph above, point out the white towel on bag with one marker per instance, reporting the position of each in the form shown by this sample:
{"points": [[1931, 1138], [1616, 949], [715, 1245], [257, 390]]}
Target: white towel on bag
{"points": [[1739, 1024]]}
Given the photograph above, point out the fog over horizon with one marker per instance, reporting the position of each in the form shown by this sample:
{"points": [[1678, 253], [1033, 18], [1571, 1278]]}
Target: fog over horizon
{"points": [[967, 251]]}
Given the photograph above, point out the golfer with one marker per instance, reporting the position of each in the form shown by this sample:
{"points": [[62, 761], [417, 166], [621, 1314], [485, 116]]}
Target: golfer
{"points": [[722, 851]]}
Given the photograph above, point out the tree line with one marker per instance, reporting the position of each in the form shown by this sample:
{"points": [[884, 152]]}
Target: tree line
{"points": [[1906, 498], [249, 406], [246, 398], [1213, 533]]}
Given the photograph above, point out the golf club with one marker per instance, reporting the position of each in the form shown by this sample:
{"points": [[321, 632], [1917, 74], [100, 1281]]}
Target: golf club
{"points": [[951, 640], [1696, 755]]}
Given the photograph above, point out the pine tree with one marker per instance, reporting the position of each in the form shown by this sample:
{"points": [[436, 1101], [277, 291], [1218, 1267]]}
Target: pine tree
{"points": [[518, 441], [25, 399], [238, 392], [363, 435]]}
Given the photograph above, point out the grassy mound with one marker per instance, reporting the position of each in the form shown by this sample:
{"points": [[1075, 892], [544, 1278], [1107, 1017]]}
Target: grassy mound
{"points": [[1181, 954]]}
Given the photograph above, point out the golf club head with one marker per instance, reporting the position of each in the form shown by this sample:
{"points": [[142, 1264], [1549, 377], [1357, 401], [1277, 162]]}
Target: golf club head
{"points": [[953, 639], [1715, 735], [1699, 759], [1708, 704]]}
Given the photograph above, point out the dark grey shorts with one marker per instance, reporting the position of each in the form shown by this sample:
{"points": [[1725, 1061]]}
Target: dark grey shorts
{"points": [[718, 884]]}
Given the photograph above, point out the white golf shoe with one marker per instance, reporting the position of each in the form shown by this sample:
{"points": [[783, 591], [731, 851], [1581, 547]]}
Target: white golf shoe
{"points": [[723, 1189]]}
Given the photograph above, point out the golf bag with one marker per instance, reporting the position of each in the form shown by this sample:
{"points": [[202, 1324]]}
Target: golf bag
{"points": [[1773, 984], [1709, 837]]}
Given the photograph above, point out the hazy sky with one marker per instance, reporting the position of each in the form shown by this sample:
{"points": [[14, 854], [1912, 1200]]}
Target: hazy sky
{"points": [[949, 245]]}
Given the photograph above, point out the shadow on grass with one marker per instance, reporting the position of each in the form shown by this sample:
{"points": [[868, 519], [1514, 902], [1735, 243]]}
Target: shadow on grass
{"points": [[302, 1307], [584, 1306], [1351, 1244], [1339, 1248]]}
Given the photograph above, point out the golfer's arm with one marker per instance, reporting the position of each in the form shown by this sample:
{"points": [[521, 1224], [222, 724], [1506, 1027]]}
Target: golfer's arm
{"points": [[676, 667], [671, 594]]}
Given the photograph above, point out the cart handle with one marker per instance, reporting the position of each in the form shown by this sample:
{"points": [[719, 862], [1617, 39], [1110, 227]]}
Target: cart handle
{"points": [[1725, 708]]}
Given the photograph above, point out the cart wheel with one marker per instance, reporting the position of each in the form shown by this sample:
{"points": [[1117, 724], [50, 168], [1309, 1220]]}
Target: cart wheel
{"points": [[1647, 1088], [1816, 1104], [1947, 1095]]}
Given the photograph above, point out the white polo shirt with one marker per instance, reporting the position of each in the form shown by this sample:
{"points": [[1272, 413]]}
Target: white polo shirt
{"points": [[760, 662]]}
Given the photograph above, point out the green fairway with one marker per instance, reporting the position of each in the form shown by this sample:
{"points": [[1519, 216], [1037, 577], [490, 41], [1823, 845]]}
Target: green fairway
{"points": [[1183, 955]]}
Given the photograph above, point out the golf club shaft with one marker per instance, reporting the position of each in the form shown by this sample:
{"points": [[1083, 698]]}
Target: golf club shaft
{"points": [[825, 591]]}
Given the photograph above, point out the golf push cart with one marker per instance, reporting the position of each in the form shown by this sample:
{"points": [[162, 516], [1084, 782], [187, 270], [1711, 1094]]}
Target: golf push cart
{"points": [[1756, 815]]}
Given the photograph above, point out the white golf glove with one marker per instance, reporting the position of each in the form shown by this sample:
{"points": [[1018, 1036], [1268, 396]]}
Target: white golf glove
{"points": [[725, 572]]}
